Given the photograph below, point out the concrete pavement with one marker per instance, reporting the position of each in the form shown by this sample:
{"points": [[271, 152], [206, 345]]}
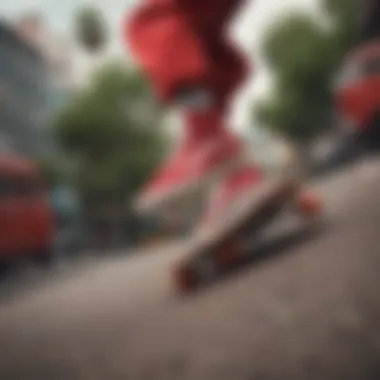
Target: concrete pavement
{"points": [[308, 310]]}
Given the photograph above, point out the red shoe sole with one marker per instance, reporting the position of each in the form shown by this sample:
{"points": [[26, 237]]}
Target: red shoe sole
{"points": [[185, 279], [309, 205], [188, 275]]}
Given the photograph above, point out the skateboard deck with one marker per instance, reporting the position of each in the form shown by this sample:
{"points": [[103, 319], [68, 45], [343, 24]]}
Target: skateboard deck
{"points": [[224, 244]]}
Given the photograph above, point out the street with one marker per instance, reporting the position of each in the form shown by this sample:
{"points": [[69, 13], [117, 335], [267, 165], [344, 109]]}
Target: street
{"points": [[306, 308]]}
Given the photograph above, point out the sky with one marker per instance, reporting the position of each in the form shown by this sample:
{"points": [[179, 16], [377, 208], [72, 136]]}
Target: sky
{"points": [[248, 30]]}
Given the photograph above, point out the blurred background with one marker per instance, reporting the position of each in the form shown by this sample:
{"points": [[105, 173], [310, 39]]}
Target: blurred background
{"points": [[75, 106], [81, 132]]}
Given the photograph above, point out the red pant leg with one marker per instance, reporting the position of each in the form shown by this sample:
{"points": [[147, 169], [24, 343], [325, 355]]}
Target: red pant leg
{"points": [[174, 50], [211, 16], [214, 13], [229, 69], [166, 48]]}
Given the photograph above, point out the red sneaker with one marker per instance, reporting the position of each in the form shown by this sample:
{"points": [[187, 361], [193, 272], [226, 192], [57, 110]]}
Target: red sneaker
{"points": [[245, 187], [207, 152], [232, 194]]}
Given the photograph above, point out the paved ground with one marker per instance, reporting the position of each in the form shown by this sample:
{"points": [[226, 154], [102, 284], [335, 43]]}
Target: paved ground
{"points": [[308, 309]]}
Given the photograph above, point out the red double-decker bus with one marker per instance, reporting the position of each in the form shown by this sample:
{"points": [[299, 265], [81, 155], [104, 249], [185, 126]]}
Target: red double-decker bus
{"points": [[357, 89], [26, 218]]}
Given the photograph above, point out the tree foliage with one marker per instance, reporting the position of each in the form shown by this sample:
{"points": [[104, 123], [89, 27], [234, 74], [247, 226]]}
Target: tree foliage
{"points": [[90, 29], [112, 128], [346, 16], [302, 55]]}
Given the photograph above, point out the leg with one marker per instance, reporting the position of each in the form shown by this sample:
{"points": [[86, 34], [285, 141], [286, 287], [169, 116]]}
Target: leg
{"points": [[167, 50], [179, 45]]}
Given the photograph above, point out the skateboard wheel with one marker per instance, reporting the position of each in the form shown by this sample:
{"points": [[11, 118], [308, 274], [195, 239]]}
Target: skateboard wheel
{"points": [[309, 205], [185, 279]]}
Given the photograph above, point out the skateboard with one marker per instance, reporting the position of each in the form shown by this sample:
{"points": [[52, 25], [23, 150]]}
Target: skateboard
{"points": [[222, 246]]}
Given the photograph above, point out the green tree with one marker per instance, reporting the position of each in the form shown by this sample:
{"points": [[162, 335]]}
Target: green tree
{"points": [[113, 130], [52, 171], [302, 56], [297, 51], [90, 29], [347, 18]]}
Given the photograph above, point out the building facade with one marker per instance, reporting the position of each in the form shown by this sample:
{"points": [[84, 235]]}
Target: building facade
{"points": [[24, 95]]}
